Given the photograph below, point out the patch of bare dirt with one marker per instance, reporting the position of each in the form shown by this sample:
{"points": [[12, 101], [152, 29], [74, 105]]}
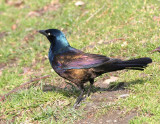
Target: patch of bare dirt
{"points": [[107, 97], [112, 117], [109, 94]]}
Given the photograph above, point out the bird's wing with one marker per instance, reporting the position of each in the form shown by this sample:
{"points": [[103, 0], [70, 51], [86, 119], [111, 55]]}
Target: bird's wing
{"points": [[81, 60]]}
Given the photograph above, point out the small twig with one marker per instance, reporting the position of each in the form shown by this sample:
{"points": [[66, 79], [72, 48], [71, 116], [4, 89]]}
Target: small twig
{"points": [[21, 86], [95, 13], [156, 50]]}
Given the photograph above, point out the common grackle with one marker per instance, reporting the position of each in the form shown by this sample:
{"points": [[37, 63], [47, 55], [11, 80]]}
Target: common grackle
{"points": [[79, 67]]}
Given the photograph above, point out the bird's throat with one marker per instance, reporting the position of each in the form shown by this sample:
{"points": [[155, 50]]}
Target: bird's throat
{"points": [[55, 49]]}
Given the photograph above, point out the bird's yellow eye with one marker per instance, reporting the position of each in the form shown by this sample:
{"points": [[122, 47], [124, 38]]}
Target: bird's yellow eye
{"points": [[49, 34]]}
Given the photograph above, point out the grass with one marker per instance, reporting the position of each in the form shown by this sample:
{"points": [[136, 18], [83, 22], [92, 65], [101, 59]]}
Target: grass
{"points": [[23, 55]]}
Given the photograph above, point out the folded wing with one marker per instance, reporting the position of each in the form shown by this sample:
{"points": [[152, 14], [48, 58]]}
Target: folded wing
{"points": [[80, 60]]}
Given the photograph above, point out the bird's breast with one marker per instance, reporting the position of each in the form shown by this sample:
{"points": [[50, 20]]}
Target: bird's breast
{"points": [[50, 56]]}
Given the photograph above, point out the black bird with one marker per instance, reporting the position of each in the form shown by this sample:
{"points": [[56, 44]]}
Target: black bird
{"points": [[79, 67]]}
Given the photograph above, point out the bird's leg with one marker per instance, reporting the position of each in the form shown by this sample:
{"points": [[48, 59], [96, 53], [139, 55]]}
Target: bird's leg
{"points": [[90, 87], [80, 98]]}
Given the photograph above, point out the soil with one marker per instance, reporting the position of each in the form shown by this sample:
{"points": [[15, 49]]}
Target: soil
{"points": [[107, 96], [112, 117]]}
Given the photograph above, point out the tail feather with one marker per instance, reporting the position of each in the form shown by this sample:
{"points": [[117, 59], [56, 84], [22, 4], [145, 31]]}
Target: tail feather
{"points": [[135, 64]]}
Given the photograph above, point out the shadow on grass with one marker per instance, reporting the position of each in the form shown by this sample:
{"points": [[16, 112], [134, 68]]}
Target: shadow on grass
{"points": [[74, 92], [122, 85]]}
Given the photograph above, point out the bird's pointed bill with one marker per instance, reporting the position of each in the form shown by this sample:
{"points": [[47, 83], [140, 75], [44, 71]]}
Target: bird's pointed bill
{"points": [[43, 32]]}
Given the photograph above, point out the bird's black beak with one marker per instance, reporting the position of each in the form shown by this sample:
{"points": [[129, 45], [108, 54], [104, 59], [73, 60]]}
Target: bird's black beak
{"points": [[43, 32]]}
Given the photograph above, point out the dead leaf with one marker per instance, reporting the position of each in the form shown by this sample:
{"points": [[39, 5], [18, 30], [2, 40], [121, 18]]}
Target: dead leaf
{"points": [[156, 18], [54, 5], [14, 26], [0, 72], [112, 79], [34, 13], [18, 4], [79, 3]]}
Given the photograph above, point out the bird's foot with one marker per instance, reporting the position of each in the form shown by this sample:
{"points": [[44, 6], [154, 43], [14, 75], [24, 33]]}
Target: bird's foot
{"points": [[88, 93], [77, 103], [76, 106]]}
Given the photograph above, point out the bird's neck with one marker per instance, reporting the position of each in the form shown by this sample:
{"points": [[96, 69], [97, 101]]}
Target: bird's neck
{"points": [[58, 47]]}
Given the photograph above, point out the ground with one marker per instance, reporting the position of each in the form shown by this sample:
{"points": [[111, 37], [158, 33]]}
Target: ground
{"points": [[123, 29]]}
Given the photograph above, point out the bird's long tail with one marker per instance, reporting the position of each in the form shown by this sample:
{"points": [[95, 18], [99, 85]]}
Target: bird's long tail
{"points": [[134, 64], [115, 65]]}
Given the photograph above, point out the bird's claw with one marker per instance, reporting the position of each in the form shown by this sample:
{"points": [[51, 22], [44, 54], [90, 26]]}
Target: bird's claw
{"points": [[77, 103]]}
